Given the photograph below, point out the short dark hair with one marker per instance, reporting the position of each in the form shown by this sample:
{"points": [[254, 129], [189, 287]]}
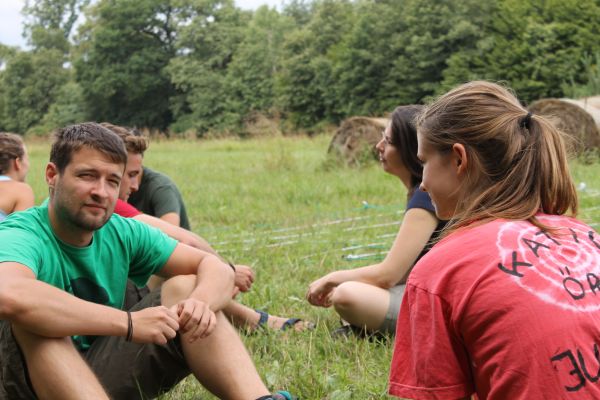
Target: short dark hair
{"points": [[11, 147], [404, 139], [88, 134], [136, 144]]}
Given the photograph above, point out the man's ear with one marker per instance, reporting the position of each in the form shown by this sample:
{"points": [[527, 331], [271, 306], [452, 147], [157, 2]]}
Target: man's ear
{"points": [[460, 158], [51, 174]]}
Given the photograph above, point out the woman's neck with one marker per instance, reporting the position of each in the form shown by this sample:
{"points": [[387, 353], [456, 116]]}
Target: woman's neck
{"points": [[11, 174]]}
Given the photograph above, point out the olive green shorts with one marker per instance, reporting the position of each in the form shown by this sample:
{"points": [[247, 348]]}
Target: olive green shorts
{"points": [[126, 370], [391, 317]]}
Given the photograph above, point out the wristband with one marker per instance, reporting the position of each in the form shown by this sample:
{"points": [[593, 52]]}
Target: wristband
{"points": [[232, 266], [129, 328]]}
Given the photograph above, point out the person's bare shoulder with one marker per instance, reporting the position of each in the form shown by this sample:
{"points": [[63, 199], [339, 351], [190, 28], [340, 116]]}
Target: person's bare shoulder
{"points": [[22, 195]]}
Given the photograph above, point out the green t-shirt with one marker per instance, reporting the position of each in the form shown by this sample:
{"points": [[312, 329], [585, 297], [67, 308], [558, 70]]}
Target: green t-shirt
{"points": [[123, 248], [158, 195]]}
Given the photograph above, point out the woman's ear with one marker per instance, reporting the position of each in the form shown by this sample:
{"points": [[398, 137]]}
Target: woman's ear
{"points": [[17, 164], [459, 154]]}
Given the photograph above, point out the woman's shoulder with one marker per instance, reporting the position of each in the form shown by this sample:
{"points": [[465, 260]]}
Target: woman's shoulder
{"points": [[420, 199], [16, 193]]}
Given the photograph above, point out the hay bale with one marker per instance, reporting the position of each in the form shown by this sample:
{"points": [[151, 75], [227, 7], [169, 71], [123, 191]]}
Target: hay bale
{"points": [[355, 139], [572, 119], [591, 105]]}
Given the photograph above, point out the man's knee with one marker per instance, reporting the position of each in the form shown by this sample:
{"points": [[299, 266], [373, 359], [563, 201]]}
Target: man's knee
{"points": [[28, 340], [176, 289]]}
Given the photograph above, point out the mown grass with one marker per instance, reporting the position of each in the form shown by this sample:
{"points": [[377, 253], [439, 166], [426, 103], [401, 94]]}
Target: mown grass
{"points": [[277, 204]]}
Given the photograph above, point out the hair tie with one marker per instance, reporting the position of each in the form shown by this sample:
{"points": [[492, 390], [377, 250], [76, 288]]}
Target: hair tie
{"points": [[526, 120]]}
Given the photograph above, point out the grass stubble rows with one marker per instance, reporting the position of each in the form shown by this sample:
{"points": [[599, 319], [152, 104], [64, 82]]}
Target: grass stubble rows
{"points": [[279, 205]]}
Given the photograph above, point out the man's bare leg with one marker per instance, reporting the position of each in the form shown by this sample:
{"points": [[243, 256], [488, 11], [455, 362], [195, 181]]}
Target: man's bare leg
{"points": [[220, 362], [56, 369]]}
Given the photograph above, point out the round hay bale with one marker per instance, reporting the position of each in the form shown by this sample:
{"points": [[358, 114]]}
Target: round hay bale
{"points": [[355, 139], [592, 101], [572, 119], [591, 105]]}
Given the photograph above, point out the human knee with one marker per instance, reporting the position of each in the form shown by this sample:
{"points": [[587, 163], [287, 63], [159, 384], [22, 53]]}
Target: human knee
{"points": [[177, 288], [345, 296], [30, 341]]}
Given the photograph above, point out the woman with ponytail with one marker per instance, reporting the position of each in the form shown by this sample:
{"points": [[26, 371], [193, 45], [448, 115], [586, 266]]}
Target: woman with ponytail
{"points": [[15, 194], [507, 304]]}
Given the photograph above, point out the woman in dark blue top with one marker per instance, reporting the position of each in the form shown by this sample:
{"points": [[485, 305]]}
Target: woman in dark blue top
{"points": [[369, 297]]}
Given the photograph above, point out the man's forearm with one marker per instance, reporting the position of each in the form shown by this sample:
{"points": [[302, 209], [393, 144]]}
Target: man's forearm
{"points": [[214, 283], [48, 311]]}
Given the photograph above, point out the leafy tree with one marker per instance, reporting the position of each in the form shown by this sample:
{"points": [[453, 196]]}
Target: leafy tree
{"points": [[30, 85], [68, 108], [535, 46], [206, 46], [435, 30], [252, 72], [120, 64], [307, 82], [366, 61], [49, 23]]}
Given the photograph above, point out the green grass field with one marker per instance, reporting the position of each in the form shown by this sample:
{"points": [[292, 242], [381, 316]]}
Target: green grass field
{"points": [[278, 205]]}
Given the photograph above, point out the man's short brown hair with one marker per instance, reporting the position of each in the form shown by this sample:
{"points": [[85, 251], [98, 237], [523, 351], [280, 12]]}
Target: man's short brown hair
{"points": [[70, 139], [136, 144]]}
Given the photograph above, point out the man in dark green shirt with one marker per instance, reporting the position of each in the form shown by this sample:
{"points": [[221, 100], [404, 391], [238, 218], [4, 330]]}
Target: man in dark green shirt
{"points": [[158, 196]]}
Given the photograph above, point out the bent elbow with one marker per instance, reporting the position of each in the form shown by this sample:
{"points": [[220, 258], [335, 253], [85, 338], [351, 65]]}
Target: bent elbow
{"points": [[9, 305]]}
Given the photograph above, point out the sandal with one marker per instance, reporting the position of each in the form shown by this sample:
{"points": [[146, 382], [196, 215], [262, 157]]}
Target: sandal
{"points": [[289, 323]]}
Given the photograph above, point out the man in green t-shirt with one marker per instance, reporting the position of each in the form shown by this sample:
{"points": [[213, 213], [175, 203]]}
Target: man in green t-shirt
{"points": [[63, 272]]}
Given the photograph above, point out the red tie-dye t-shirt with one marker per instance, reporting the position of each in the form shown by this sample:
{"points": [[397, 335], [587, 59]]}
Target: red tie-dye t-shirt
{"points": [[504, 310]]}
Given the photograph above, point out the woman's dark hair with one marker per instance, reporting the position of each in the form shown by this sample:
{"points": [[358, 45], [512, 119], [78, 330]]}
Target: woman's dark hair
{"points": [[11, 147], [404, 139]]}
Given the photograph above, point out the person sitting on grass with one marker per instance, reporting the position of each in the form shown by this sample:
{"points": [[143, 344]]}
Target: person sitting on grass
{"points": [[505, 305], [15, 194], [239, 314], [368, 298], [63, 271]]}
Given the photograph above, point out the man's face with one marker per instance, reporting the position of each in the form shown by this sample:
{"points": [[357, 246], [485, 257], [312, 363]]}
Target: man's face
{"points": [[131, 178], [84, 195]]}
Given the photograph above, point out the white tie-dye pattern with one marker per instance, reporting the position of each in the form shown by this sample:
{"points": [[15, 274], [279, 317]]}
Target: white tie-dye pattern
{"points": [[567, 264]]}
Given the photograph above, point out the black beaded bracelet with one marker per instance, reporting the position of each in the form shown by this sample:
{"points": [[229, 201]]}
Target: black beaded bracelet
{"points": [[232, 266], [129, 328]]}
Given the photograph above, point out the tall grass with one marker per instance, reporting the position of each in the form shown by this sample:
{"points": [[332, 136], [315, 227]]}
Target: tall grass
{"points": [[276, 204]]}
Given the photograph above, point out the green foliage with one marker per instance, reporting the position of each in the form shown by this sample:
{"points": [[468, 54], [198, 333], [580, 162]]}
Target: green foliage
{"points": [[534, 46], [205, 47], [30, 85], [120, 65], [307, 83], [591, 84], [253, 70], [49, 23], [366, 59], [206, 66], [69, 108]]}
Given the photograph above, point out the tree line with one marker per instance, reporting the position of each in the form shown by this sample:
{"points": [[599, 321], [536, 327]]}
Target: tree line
{"points": [[208, 66]]}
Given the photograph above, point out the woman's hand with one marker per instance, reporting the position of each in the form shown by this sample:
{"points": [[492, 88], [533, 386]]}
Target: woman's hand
{"points": [[320, 291]]}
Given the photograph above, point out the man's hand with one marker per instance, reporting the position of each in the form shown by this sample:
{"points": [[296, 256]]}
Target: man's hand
{"points": [[244, 277], [195, 318], [154, 325]]}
